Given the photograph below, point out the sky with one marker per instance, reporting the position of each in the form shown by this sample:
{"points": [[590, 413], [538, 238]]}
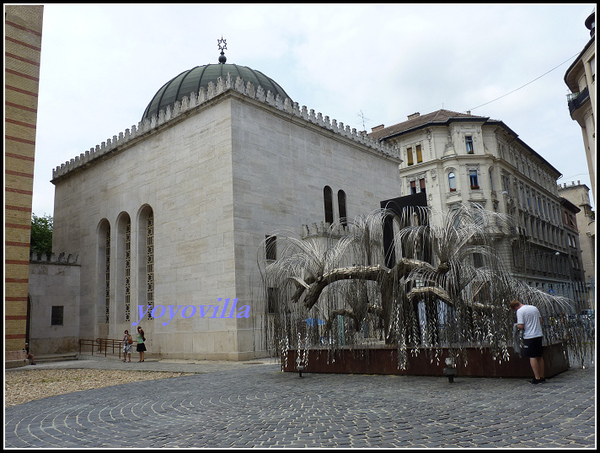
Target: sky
{"points": [[361, 64]]}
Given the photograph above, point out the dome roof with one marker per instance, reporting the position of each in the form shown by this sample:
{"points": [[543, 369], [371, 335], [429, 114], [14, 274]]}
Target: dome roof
{"points": [[191, 80]]}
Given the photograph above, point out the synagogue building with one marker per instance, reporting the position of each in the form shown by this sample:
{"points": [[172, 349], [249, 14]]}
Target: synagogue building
{"points": [[177, 211]]}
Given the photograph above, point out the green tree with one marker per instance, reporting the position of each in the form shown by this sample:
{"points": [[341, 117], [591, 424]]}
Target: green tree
{"points": [[41, 234]]}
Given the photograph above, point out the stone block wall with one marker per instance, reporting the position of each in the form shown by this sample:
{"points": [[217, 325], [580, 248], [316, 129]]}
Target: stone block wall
{"points": [[54, 282]]}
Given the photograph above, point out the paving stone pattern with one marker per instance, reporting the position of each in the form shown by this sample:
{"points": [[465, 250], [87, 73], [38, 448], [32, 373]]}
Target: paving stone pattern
{"points": [[259, 406]]}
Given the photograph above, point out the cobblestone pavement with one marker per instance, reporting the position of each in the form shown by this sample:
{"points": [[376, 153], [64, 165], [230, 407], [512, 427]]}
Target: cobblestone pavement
{"points": [[253, 404]]}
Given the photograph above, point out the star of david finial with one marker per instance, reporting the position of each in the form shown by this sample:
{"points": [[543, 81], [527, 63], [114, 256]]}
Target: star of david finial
{"points": [[222, 44]]}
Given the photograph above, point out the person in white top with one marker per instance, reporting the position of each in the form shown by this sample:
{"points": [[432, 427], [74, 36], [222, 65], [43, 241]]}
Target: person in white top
{"points": [[530, 321]]}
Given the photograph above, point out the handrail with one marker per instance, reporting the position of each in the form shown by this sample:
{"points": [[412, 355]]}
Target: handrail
{"points": [[103, 345], [85, 342]]}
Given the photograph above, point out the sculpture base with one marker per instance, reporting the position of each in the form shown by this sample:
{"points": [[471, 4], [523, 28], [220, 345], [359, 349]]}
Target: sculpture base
{"points": [[384, 360]]}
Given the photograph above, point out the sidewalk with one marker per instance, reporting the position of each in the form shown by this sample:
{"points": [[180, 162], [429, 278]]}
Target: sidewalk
{"points": [[114, 363]]}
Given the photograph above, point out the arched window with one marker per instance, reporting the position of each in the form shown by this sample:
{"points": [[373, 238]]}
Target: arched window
{"points": [[328, 197], [146, 258], [123, 251], [103, 266], [342, 207], [452, 181]]}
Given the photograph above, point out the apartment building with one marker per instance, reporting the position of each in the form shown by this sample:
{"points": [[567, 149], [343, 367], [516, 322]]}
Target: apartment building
{"points": [[463, 158]]}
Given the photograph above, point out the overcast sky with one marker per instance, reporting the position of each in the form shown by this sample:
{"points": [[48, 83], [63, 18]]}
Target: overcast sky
{"points": [[102, 64]]}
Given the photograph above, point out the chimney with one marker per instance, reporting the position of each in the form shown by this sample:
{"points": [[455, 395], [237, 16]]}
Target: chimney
{"points": [[414, 115], [377, 128]]}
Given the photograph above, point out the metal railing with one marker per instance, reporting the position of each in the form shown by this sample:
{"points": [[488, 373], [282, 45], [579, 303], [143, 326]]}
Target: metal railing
{"points": [[103, 345], [576, 100]]}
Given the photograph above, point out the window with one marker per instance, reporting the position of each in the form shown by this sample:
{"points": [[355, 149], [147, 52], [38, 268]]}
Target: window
{"points": [[522, 194], [409, 156], [422, 184], [271, 247], [107, 276], [150, 261], [413, 187], [328, 198], [57, 315], [272, 297], [342, 207], [452, 181], [491, 178], [473, 179], [103, 271], [128, 272], [506, 184], [419, 154], [145, 258], [469, 144], [122, 277]]}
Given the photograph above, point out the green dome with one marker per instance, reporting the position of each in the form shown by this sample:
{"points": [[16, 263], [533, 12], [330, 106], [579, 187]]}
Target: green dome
{"points": [[191, 80]]}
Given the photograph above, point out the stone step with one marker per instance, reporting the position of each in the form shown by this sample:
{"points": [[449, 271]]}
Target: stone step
{"points": [[111, 357], [45, 358]]}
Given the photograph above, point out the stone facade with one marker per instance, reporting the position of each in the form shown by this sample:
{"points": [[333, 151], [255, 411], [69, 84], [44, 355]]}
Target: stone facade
{"points": [[463, 158], [581, 80], [579, 195], [219, 173]]}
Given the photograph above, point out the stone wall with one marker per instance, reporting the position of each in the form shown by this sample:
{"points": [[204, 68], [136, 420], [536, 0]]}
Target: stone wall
{"points": [[54, 281]]}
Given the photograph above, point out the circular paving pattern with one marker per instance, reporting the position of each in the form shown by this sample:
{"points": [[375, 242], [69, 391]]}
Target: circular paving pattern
{"points": [[263, 407]]}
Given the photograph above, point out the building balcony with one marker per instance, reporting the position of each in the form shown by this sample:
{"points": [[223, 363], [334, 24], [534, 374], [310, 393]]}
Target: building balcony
{"points": [[576, 100]]}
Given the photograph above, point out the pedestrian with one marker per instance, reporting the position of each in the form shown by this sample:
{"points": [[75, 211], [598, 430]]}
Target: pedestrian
{"points": [[127, 342], [141, 347], [29, 354], [530, 321]]}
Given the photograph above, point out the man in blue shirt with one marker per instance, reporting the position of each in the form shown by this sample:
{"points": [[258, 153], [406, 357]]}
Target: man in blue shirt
{"points": [[530, 321]]}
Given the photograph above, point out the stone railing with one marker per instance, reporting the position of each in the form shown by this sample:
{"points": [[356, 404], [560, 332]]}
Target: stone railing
{"points": [[204, 95]]}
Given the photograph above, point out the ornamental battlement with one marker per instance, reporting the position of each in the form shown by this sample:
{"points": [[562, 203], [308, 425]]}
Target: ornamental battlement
{"points": [[324, 229], [52, 258], [203, 96]]}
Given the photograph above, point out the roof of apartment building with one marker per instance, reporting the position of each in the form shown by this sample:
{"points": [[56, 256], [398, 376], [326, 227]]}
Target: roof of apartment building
{"points": [[417, 121], [444, 117]]}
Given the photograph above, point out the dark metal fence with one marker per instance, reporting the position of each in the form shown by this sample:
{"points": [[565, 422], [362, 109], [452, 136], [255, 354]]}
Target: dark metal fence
{"points": [[106, 346]]}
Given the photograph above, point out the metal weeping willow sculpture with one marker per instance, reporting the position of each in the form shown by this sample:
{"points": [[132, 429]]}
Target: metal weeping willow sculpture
{"points": [[429, 287]]}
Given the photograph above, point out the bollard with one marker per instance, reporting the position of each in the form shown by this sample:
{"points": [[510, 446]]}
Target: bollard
{"points": [[450, 372], [450, 369], [300, 369]]}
